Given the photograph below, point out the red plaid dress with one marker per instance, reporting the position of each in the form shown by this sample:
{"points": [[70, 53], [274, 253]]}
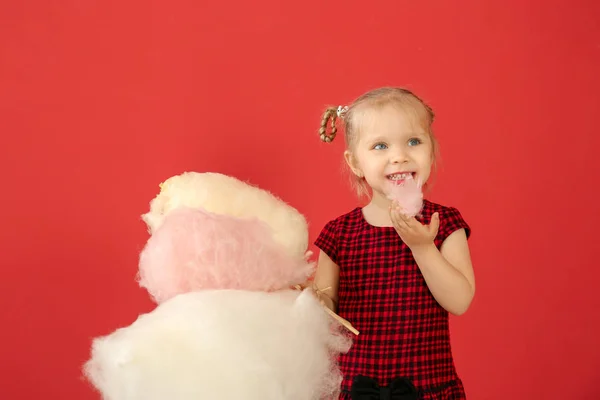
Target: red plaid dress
{"points": [[403, 330]]}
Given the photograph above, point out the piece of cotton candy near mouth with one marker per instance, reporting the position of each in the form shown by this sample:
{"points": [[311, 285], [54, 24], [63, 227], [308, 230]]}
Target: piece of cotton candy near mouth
{"points": [[408, 195]]}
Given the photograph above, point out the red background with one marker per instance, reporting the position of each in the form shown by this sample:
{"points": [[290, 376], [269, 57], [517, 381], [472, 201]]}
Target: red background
{"points": [[102, 100]]}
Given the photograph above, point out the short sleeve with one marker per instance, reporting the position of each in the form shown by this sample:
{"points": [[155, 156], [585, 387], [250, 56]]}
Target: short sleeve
{"points": [[328, 239], [451, 220]]}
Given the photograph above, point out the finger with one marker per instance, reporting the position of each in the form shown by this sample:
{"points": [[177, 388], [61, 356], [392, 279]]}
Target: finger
{"points": [[404, 217], [434, 225], [395, 220], [392, 212], [410, 221], [396, 208], [400, 213], [398, 221]]}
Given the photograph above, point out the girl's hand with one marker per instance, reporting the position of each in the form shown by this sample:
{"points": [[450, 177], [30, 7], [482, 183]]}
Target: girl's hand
{"points": [[411, 231]]}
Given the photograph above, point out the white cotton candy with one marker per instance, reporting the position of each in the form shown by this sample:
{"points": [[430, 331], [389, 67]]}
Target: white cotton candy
{"points": [[223, 345]]}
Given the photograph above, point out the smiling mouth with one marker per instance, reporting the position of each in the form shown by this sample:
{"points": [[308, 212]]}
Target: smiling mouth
{"points": [[399, 178]]}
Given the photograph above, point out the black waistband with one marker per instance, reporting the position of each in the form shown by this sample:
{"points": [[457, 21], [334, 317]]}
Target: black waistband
{"points": [[420, 391]]}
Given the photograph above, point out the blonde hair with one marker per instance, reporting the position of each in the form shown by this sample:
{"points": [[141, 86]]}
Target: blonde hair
{"points": [[377, 98]]}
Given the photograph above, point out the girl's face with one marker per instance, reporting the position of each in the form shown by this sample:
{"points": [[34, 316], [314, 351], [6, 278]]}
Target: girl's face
{"points": [[391, 147]]}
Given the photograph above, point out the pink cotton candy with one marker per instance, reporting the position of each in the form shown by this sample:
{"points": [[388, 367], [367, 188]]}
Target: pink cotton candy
{"points": [[408, 195], [197, 250]]}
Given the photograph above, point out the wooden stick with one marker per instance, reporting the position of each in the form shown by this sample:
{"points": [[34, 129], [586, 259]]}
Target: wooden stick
{"points": [[341, 320], [345, 323]]}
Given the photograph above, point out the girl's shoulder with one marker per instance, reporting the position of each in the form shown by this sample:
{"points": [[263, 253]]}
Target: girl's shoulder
{"points": [[451, 219], [350, 217], [338, 231], [432, 207]]}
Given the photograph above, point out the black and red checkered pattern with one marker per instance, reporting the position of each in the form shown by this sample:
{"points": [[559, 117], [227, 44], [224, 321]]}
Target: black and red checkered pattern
{"points": [[403, 330]]}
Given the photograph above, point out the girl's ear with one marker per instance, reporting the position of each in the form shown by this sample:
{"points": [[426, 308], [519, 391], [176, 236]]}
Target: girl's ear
{"points": [[352, 163]]}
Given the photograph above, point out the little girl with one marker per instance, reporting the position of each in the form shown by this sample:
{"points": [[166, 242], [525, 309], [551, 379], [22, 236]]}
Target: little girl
{"points": [[394, 277]]}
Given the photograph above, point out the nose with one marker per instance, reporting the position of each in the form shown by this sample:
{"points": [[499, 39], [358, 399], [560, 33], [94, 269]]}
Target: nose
{"points": [[399, 156]]}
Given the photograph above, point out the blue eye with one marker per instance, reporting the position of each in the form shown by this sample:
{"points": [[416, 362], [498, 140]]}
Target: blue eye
{"points": [[414, 142], [379, 146]]}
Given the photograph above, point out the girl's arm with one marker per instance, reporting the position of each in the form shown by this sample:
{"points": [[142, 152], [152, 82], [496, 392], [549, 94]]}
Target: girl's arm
{"points": [[448, 271], [326, 281]]}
